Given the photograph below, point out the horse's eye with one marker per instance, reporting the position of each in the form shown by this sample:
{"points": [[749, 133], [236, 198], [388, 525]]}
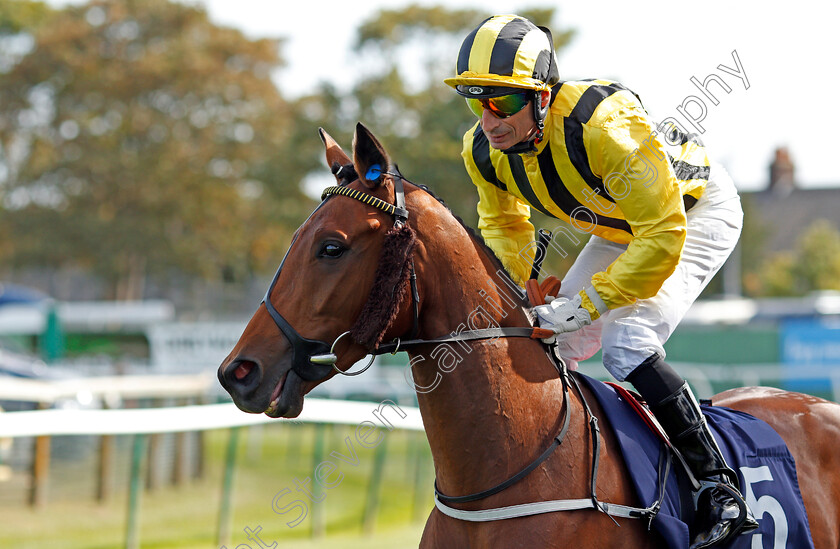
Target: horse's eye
{"points": [[331, 249]]}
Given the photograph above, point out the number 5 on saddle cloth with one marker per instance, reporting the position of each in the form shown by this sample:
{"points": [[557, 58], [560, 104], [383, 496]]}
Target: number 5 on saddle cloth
{"points": [[765, 468]]}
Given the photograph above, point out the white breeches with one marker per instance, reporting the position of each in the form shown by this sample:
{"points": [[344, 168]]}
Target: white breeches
{"points": [[631, 334]]}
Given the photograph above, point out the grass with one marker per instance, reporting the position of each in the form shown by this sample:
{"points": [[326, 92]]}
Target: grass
{"points": [[271, 459]]}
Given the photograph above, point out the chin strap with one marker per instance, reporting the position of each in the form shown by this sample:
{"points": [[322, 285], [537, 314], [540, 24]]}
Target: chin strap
{"points": [[524, 147]]}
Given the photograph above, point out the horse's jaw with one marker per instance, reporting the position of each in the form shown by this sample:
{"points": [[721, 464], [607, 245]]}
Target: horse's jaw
{"points": [[287, 397]]}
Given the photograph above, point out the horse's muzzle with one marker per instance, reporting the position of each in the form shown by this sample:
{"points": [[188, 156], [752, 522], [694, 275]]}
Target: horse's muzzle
{"points": [[242, 379]]}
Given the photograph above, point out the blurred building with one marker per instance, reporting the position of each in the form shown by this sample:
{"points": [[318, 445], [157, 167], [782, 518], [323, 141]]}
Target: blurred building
{"points": [[784, 210]]}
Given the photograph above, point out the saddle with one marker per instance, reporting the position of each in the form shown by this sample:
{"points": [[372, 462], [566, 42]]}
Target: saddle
{"points": [[766, 470]]}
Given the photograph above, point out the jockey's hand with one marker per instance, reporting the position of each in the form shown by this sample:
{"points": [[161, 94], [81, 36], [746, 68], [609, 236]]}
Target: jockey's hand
{"points": [[562, 315]]}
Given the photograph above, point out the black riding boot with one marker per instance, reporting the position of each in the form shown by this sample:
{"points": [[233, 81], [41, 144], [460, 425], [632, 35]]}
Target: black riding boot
{"points": [[721, 510]]}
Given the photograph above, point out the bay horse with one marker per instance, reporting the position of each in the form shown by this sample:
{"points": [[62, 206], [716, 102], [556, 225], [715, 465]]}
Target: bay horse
{"points": [[380, 262]]}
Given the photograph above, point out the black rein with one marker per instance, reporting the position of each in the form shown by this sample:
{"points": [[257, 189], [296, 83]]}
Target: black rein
{"points": [[313, 360]]}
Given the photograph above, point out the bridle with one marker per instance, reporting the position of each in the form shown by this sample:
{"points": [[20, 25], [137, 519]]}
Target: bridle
{"points": [[313, 359]]}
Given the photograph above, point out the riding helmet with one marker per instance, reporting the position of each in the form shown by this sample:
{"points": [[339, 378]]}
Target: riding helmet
{"points": [[505, 51]]}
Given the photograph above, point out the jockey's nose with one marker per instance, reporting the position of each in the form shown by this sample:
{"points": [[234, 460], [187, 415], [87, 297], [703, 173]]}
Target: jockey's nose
{"points": [[489, 121]]}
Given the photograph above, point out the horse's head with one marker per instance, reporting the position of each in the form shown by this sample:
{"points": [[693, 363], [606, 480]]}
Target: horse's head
{"points": [[340, 289]]}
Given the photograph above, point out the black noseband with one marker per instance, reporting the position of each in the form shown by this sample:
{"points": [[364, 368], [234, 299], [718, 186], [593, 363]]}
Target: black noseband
{"points": [[303, 349], [312, 360]]}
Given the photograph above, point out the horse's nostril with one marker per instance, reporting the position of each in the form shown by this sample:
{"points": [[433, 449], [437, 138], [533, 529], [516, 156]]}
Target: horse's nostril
{"points": [[242, 379], [243, 370], [240, 373]]}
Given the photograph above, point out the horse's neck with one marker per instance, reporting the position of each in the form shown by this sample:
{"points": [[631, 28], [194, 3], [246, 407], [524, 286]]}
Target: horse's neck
{"points": [[488, 406]]}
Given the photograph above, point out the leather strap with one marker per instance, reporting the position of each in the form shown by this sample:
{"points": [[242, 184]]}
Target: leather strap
{"points": [[472, 335], [537, 291], [536, 508], [528, 509], [524, 472], [391, 209]]}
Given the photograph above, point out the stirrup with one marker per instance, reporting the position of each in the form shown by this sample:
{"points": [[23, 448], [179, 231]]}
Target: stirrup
{"points": [[739, 525]]}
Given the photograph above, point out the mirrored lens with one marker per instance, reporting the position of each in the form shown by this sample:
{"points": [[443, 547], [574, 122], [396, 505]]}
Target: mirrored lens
{"points": [[475, 106], [502, 107]]}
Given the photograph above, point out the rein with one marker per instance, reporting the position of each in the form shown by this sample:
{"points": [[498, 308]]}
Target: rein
{"points": [[592, 502], [314, 360]]}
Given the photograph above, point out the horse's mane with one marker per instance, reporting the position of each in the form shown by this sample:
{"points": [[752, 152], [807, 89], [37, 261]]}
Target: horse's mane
{"points": [[351, 175], [476, 236]]}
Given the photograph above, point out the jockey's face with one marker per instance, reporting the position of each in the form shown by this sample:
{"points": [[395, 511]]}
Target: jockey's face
{"points": [[504, 133]]}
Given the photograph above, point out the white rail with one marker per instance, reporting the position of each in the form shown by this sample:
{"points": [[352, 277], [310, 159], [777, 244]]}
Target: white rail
{"points": [[197, 418], [127, 387]]}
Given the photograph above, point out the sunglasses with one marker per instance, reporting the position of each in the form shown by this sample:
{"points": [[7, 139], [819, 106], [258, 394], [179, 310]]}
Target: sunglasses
{"points": [[502, 107]]}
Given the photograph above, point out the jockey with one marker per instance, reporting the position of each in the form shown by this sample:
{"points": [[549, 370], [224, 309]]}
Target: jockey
{"points": [[662, 219]]}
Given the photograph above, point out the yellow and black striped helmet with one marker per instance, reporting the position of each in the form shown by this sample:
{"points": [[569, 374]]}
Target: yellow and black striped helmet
{"points": [[505, 51]]}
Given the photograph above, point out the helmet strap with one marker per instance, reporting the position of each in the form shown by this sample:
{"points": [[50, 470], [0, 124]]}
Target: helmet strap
{"points": [[522, 148]]}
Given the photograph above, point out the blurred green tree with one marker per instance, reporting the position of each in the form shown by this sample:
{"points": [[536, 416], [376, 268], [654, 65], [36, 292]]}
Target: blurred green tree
{"points": [[814, 265], [405, 101], [139, 139], [17, 16], [818, 263]]}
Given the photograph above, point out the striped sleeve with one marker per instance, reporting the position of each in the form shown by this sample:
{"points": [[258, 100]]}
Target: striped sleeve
{"points": [[503, 219], [644, 186]]}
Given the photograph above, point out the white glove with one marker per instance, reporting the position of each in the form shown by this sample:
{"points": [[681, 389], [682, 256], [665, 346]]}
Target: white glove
{"points": [[562, 315]]}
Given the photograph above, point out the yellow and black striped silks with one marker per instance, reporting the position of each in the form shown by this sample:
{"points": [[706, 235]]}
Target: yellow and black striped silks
{"points": [[606, 169], [507, 51]]}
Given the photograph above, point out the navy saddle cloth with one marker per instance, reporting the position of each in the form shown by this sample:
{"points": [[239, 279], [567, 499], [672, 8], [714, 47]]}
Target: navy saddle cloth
{"points": [[752, 448]]}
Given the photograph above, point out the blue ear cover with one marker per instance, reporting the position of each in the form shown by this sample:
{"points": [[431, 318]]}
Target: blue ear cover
{"points": [[374, 172]]}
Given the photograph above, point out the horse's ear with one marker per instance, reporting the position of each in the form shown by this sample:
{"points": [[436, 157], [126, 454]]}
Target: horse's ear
{"points": [[370, 157], [335, 154]]}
